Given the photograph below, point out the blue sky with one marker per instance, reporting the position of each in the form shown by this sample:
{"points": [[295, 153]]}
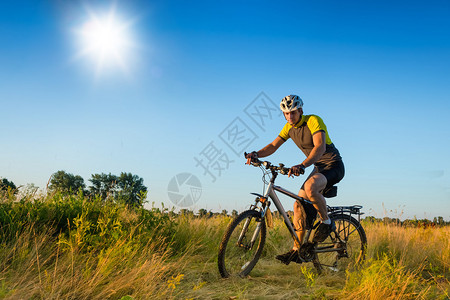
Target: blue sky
{"points": [[377, 73]]}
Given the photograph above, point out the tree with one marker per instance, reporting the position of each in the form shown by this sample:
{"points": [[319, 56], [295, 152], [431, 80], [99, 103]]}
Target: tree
{"points": [[126, 188], [202, 212], [234, 213], [6, 185], [224, 212], [103, 185], [132, 190], [66, 182]]}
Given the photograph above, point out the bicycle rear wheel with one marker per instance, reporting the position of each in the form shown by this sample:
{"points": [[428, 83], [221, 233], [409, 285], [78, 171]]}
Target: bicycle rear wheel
{"points": [[344, 247], [242, 244]]}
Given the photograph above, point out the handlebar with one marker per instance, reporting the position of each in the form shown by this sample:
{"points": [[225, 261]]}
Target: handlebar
{"points": [[268, 165]]}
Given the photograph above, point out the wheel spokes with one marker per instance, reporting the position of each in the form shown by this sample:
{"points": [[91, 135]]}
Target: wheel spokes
{"points": [[343, 247]]}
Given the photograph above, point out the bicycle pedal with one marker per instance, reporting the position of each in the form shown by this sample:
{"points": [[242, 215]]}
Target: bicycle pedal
{"points": [[284, 261], [288, 257]]}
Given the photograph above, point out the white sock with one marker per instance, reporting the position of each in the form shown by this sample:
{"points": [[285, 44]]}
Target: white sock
{"points": [[327, 221]]}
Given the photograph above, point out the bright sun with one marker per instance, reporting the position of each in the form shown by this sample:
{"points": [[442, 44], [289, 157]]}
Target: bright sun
{"points": [[106, 40]]}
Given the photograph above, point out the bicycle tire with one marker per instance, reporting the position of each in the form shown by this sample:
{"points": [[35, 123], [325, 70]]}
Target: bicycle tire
{"points": [[240, 259], [350, 237]]}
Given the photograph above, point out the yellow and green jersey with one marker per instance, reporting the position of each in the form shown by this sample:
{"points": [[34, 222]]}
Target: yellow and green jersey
{"points": [[302, 135]]}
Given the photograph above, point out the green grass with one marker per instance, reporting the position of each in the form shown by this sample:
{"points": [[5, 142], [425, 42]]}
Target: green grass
{"points": [[72, 247]]}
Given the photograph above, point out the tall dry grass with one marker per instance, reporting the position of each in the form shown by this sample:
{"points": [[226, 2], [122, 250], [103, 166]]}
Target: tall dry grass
{"points": [[403, 263], [71, 247], [107, 251], [39, 271]]}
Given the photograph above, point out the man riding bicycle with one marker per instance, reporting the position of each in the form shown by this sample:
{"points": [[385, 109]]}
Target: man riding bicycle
{"points": [[310, 134]]}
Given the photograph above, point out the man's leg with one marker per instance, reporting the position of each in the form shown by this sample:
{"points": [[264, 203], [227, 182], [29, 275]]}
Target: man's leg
{"points": [[299, 221], [299, 211], [313, 188]]}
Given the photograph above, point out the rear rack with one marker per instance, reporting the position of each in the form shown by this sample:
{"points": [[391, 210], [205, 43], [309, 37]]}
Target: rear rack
{"points": [[355, 209]]}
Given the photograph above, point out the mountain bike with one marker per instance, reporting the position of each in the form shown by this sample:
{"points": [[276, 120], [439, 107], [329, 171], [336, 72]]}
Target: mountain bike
{"points": [[243, 241]]}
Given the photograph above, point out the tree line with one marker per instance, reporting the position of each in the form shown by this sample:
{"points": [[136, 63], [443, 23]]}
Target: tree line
{"points": [[130, 189], [437, 221], [125, 188], [203, 213]]}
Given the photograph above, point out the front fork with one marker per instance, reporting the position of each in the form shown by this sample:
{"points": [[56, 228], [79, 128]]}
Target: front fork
{"points": [[263, 212]]}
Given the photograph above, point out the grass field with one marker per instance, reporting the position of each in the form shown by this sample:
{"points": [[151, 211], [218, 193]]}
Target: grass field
{"points": [[71, 247]]}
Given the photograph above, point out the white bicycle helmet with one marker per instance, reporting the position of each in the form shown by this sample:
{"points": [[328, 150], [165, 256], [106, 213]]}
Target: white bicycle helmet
{"points": [[291, 103]]}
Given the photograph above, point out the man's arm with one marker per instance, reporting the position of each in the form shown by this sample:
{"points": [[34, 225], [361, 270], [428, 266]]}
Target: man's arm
{"points": [[318, 150], [267, 150], [271, 148]]}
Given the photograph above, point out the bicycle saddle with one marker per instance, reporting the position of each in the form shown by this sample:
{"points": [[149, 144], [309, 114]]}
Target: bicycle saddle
{"points": [[330, 192]]}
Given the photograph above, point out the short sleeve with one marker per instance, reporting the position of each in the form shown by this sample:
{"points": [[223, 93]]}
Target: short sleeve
{"points": [[284, 133], [316, 124]]}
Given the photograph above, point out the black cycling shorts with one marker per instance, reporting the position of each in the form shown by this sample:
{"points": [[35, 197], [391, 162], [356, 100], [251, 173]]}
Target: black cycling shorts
{"points": [[333, 173]]}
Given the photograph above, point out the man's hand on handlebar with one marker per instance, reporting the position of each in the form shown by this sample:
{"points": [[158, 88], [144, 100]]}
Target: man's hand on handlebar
{"points": [[296, 170], [251, 156]]}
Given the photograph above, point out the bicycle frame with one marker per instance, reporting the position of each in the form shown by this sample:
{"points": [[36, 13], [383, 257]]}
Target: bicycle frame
{"points": [[270, 193]]}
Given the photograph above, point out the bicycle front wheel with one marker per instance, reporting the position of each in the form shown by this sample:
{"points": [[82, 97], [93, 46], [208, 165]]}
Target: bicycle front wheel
{"points": [[344, 247], [242, 244]]}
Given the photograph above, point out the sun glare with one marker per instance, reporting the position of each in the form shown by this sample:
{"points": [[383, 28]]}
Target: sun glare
{"points": [[105, 39]]}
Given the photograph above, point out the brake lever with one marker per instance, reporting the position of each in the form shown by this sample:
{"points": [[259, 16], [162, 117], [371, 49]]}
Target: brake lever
{"points": [[256, 163]]}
